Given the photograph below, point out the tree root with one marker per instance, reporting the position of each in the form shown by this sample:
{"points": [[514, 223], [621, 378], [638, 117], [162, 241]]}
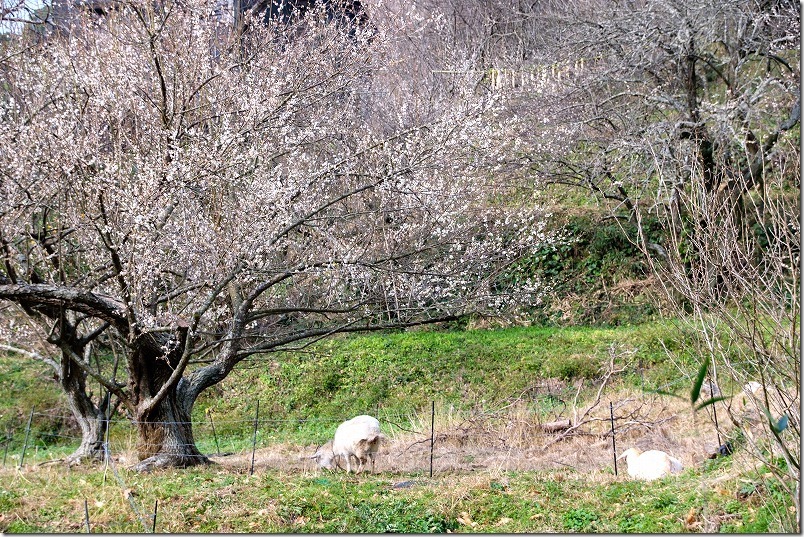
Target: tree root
{"points": [[161, 461]]}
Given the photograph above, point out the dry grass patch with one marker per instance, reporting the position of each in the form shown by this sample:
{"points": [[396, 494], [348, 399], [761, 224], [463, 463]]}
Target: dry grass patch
{"points": [[514, 440]]}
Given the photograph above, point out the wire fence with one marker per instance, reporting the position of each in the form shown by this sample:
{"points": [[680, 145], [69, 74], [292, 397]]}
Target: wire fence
{"points": [[539, 412], [519, 429]]}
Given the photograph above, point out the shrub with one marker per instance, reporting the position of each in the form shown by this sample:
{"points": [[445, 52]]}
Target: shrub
{"points": [[568, 368]]}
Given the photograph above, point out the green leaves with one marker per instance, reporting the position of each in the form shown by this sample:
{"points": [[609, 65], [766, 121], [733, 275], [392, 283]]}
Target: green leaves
{"points": [[696, 388], [777, 426], [781, 425], [712, 401], [695, 392]]}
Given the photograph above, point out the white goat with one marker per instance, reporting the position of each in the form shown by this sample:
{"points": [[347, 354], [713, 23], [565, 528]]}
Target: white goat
{"points": [[359, 437], [650, 465]]}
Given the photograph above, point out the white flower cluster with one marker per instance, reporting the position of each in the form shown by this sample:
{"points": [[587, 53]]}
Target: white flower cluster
{"points": [[191, 177]]}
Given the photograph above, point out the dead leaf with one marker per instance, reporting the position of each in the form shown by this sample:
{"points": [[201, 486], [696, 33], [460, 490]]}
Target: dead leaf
{"points": [[466, 519], [503, 521], [691, 521]]}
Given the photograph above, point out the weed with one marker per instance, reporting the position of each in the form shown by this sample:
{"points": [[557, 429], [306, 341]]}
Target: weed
{"points": [[20, 526], [9, 500], [580, 520], [639, 523], [665, 501]]}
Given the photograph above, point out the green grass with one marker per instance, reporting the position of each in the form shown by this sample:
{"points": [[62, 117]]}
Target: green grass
{"points": [[399, 374], [216, 500], [304, 395]]}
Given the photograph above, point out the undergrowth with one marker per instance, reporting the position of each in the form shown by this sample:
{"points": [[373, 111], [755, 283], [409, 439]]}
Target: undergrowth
{"points": [[209, 499], [401, 373]]}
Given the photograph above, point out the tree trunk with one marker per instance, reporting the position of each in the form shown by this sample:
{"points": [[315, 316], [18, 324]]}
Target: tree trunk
{"points": [[165, 437], [555, 426], [93, 430], [91, 419], [164, 432]]}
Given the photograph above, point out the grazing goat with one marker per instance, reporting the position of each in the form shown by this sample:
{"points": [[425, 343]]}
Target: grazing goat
{"points": [[358, 437], [650, 465]]}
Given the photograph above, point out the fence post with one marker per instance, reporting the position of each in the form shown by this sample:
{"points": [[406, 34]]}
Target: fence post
{"points": [[613, 441], [432, 436], [214, 434], [86, 515], [27, 433], [156, 506], [254, 442], [106, 448], [714, 412]]}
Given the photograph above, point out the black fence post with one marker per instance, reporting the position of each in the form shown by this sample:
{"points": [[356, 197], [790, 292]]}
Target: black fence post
{"points": [[27, 433], [714, 412], [106, 456], [156, 506], [613, 441], [432, 436], [254, 442], [86, 515]]}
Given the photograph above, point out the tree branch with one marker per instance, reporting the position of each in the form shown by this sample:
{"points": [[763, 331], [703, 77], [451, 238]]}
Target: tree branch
{"points": [[33, 355]]}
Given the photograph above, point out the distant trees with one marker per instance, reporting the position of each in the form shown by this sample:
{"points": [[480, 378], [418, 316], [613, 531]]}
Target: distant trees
{"points": [[176, 198], [685, 120], [666, 88]]}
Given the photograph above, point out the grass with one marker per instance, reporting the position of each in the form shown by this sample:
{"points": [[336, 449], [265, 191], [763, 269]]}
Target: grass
{"points": [[215, 499], [492, 472], [401, 373]]}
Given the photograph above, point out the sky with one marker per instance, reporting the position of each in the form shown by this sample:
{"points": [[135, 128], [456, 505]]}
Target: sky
{"points": [[28, 5]]}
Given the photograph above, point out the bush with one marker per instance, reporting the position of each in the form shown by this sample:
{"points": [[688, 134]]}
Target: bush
{"points": [[580, 269], [571, 367]]}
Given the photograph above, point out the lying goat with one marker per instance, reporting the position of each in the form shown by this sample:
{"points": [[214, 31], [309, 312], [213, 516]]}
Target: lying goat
{"points": [[650, 465]]}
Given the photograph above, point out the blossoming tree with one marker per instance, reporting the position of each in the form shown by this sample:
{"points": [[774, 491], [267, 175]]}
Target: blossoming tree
{"points": [[177, 197]]}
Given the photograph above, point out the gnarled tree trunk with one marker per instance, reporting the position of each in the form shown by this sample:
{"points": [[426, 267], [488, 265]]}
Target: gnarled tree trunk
{"points": [[93, 423], [165, 437], [92, 419], [164, 430]]}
